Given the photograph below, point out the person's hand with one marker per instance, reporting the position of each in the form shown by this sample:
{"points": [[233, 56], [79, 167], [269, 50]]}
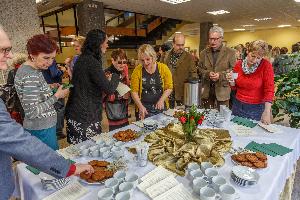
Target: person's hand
{"points": [[88, 169], [266, 117], [54, 85], [160, 104], [142, 112], [214, 76], [68, 61], [61, 93]]}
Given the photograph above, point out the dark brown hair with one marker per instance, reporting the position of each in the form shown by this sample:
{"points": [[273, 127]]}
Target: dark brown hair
{"points": [[119, 53], [41, 44]]}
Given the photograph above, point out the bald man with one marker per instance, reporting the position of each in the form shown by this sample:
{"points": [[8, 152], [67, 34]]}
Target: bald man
{"points": [[19, 144], [182, 67]]}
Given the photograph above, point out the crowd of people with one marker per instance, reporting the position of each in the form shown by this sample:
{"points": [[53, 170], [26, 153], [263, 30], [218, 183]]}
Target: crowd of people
{"points": [[243, 76]]}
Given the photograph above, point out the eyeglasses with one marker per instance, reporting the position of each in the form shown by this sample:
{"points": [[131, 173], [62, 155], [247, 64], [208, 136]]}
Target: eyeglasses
{"points": [[5, 50], [122, 62], [214, 39]]}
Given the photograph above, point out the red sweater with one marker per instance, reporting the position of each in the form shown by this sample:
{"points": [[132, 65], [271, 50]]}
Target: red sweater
{"points": [[255, 88]]}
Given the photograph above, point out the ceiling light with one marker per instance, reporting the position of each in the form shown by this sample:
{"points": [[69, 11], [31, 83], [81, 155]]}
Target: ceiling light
{"points": [[174, 1], [297, 1], [239, 29], [248, 25], [298, 20], [215, 24], [178, 32], [218, 12], [284, 25], [262, 19]]}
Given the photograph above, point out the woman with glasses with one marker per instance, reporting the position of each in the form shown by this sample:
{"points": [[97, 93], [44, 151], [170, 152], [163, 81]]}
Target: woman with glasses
{"points": [[35, 94], [151, 84], [84, 106], [254, 84], [116, 106]]}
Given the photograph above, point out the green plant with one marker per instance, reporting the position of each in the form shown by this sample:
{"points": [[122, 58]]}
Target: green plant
{"points": [[287, 99], [190, 120]]}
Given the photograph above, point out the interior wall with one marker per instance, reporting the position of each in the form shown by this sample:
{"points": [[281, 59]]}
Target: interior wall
{"points": [[192, 42], [282, 37]]}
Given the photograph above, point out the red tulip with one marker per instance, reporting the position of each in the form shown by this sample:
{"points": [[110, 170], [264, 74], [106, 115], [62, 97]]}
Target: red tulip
{"points": [[200, 121], [182, 119], [192, 118]]}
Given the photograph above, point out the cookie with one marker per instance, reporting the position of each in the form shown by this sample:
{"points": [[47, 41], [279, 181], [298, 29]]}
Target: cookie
{"points": [[251, 157], [261, 156]]}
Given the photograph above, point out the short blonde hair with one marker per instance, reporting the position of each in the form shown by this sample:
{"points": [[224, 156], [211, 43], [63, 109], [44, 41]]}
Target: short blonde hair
{"points": [[79, 39], [148, 50], [260, 46]]}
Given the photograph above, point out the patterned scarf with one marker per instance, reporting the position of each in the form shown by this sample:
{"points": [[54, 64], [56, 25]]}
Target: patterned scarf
{"points": [[174, 57], [249, 70]]}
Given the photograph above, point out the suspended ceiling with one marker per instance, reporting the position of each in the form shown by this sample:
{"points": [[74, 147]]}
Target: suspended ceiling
{"points": [[242, 12]]}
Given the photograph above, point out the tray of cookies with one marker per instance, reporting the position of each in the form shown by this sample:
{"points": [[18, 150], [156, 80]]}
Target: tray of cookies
{"points": [[126, 136], [102, 172], [255, 160]]}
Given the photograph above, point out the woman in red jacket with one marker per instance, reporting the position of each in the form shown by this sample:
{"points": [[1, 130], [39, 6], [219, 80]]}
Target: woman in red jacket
{"points": [[254, 84]]}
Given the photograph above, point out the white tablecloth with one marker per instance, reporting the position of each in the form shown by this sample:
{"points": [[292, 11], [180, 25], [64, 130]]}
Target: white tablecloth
{"points": [[269, 187]]}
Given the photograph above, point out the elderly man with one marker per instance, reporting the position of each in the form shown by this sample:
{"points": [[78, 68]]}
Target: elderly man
{"points": [[182, 67], [19, 144], [214, 62]]}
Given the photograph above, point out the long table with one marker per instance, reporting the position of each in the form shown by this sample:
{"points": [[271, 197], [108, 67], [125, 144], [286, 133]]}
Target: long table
{"points": [[271, 183]]}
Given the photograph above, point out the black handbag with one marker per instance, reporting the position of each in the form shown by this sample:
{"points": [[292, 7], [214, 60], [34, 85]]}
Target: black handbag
{"points": [[116, 110]]}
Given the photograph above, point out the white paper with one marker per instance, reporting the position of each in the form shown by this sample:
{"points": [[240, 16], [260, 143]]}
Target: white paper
{"points": [[243, 130], [122, 89], [154, 177], [176, 193], [162, 186], [73, 191], [270, 128]]}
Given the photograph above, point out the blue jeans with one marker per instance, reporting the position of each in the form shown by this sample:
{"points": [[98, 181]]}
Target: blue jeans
{"points": [[47, 136], [251, 111]]}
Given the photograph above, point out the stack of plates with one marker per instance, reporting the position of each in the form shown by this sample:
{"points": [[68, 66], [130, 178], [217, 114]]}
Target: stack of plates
{"points": [[50, 183], [150, 125], [244, 176]]}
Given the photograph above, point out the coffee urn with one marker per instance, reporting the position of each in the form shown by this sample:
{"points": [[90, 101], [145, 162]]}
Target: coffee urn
{"points": [[192, 93]]}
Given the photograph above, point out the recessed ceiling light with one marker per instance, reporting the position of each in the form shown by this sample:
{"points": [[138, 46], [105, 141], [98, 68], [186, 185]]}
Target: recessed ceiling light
{"points": [[298, 20], [178, 32], [174, 1], [297, 0], [248, 25], [262, 19], [218, 12], [283, 25], [215, 24], [239, 29]]}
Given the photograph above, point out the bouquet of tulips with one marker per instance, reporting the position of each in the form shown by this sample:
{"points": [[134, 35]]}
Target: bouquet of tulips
{"points": [[190, 120]]}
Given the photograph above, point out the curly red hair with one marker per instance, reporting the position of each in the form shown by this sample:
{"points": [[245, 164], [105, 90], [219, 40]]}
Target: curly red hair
{"points": [[41, 43]]}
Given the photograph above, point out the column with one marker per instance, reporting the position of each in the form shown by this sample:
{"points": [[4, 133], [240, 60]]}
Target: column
{"points": [[20, 20], [204, 29], [90, 16]]}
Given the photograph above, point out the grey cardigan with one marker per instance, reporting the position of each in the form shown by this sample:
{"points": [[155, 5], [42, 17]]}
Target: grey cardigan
{"points": [[19, 144]]}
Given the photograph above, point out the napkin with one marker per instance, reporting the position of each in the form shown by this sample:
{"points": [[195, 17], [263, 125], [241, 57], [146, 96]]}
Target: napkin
{"points": [[272, 149], [244, 121]]}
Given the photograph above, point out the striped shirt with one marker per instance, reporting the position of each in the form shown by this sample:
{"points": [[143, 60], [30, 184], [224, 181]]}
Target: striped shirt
{"points": [[36, 98]]}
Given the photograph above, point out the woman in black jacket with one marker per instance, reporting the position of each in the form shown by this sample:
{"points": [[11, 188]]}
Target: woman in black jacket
{"points": [[84, 106]]}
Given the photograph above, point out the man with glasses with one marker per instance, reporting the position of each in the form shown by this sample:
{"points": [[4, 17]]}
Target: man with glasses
{"points": [[182, 66], [214, 63], [19, 144]]}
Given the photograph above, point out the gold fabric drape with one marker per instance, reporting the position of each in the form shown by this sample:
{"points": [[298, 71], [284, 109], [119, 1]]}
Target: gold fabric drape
{"points": [[170, 148]]}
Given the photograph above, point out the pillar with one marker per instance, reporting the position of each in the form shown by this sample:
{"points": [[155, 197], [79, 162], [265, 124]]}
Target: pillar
{"points": [[90, 16], [204, 29], [20, 20]]}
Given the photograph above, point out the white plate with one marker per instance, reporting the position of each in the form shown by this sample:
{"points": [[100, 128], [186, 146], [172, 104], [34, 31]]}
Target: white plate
{"points": [[245, 173]]}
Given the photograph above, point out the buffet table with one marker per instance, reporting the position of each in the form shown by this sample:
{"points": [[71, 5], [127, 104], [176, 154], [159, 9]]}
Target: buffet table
{"points": [[271, 183]]}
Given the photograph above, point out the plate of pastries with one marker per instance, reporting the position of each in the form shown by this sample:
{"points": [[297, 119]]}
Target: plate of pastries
{"points": [[102, 172], [126, 136], [254, 160]]}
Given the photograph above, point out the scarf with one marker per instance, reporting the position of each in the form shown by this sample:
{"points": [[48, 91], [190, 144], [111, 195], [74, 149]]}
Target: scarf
{"points": [[249, 70]]}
